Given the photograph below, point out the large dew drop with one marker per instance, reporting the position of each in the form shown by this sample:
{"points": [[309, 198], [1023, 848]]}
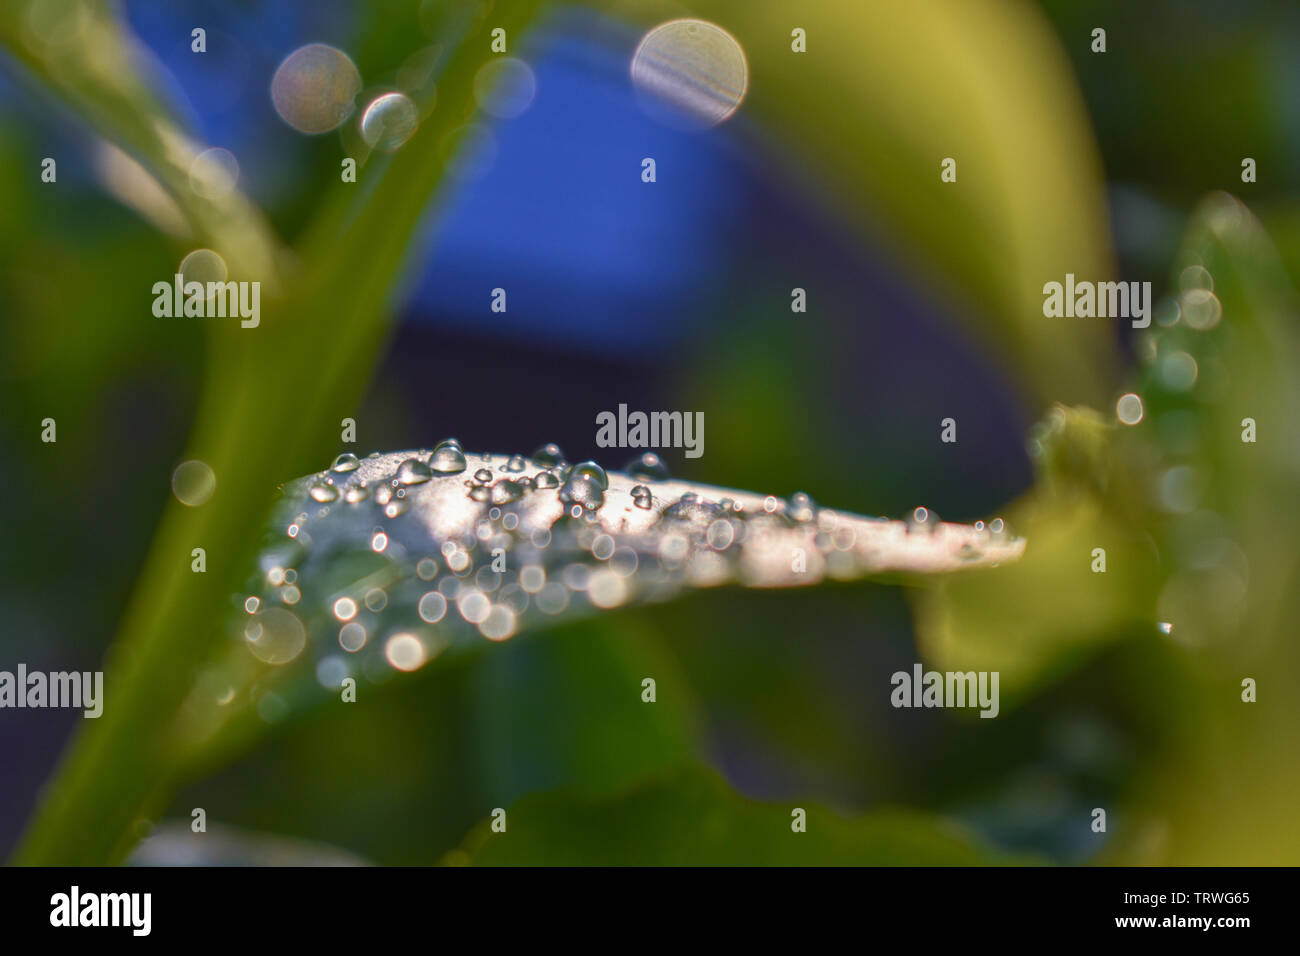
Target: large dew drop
{"points": [[314, 90], [690, 73]]}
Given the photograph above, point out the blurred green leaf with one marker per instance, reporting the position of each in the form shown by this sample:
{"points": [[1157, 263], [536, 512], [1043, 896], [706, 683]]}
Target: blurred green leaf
{"points": [[693, 818]]}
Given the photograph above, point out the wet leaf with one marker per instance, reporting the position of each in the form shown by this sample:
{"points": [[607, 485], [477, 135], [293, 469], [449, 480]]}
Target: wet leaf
{"points": [[379, 565]]}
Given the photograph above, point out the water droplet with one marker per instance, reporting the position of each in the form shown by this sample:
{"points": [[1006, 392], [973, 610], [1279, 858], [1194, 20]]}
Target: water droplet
{"points": [[405, 652], [448, 458], [1129, 409], [275, 636], [1195, 277], [356, 493], [432, 607], [922, 519], [802, 508], [602, 548], [515, 464], [352, 637], [499, 624], [389, 121], [546, 480], [1201, 309], [1177, 371], [203, 265], [642, 498], [346, 462], [506, 491], [648, 467], [504, 87], [315, 88], [413, 472], [483, 475], [322, 492], [549, 455], [584, 488], [589, 469], [689, 73], [721, 534], [214, 173], [193, 483]]}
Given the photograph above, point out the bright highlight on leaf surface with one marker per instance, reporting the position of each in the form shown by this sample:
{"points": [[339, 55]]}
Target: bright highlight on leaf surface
{"points": [[388, 560]]}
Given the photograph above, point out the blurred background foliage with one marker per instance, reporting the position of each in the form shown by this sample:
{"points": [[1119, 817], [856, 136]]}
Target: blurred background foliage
{"points": [[924, 301]]}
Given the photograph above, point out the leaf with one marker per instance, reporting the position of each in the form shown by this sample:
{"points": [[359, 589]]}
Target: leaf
{"points": [[693, 818], [1027, 622], [322, 325], [381, 564], [867, 129], [175, 844]]}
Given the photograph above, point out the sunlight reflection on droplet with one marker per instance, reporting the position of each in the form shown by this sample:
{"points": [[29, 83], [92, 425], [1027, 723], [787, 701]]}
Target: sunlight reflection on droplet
{"points": [[405, 652], [505, 87], [315, 87], [690, 73], [1129, 409], [389, 121], [193, 483]]}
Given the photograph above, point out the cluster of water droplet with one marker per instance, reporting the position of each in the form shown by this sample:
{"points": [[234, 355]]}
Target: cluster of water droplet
{"points": [[1184, 358], [379, 564]]}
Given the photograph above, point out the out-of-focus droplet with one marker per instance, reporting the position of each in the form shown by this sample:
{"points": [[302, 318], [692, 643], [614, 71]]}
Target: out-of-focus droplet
{"points": [[389, 121], [923, 520], [214, 174], [203, 265], [647, 467], [275, 636], [322, 492], [1129, 409], [352, 637], [549, 455], [505, 491], [1201, 309], [1196, 277], [314, 90], [802, 508], [504, 87], [405, 652], [1177, 371], [690, 73], [432, 606], [193, 483]]}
